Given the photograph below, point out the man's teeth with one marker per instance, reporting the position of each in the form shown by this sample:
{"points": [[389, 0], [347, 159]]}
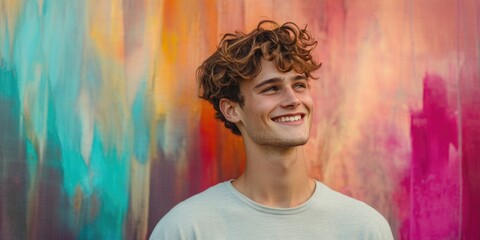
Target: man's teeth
{"points": [[288, 119]]}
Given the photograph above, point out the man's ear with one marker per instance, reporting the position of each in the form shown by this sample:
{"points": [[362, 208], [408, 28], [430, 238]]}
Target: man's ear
{"points": [[230, 109]]}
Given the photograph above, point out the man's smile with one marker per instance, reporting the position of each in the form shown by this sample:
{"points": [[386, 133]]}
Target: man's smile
{"points": [[289, 118]]}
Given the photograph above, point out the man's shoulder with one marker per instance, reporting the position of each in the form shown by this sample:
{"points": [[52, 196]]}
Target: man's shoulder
{"points": [[201, 202], [339, 201], [182, 218], [356, 214]]}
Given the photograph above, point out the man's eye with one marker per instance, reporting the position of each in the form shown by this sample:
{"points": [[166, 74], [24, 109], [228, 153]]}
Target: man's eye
{"points": [[300, 86], [271, 89]]}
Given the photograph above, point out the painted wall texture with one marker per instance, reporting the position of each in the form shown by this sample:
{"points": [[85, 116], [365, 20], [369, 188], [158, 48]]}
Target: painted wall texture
{"points": [[101, 131]]}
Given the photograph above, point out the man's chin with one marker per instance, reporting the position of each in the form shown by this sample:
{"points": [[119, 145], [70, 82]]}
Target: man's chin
{"points": [[292, 142]]}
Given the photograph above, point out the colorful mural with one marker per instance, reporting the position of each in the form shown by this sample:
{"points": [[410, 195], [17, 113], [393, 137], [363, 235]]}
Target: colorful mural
{"points": [[101, 132]]}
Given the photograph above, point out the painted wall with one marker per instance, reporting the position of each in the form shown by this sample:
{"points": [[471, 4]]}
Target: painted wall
{"points": [[101, 132]]}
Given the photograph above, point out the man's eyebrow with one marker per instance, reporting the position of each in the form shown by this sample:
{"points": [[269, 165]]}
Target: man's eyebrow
{"points": [[299, 77], [268, 81], [277, 79]]}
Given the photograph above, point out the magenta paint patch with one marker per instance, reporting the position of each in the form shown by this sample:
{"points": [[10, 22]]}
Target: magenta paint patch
{"points": [[434, 173], [470, 102]]}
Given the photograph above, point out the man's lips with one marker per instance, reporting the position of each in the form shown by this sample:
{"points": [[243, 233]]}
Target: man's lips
{"points": [[289, 118]]}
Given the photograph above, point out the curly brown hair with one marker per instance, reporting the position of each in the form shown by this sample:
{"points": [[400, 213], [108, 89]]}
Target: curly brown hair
{"points": [[238, 57]]}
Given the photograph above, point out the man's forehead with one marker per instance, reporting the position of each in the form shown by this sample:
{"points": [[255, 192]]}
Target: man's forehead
{"points": [[271, 66]]}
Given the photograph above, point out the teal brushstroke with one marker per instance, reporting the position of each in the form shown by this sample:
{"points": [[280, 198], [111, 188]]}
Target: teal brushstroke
{"points": [[52, 60], [63, 48], [170, 141], [5, 48], [110, 170], [160, 134], [62, 156], [12, 155], [52, 57], [64, 36], [141, 134], [27, 60], [8, 84], [31, 159]]}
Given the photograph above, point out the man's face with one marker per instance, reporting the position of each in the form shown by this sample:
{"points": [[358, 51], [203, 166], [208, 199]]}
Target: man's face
{"points": [[277, 108]]}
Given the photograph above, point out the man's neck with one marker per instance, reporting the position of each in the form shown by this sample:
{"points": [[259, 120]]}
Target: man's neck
{"points": [[276, 177]]}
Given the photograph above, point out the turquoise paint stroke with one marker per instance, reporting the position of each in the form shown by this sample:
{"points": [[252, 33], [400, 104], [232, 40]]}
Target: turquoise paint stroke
{"points": [[27, 60], [52, 60], [12, 156], [8, 85], [53, 64], [64, 30], [5, 48], [110, 174], [32, 161], [141, 134]]}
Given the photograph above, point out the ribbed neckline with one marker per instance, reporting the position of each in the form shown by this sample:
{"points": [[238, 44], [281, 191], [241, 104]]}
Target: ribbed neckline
{"points": [[272, 210]]}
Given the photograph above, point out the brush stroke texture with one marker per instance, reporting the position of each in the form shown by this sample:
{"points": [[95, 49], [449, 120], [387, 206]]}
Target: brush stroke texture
{"points": [[101, 132]]}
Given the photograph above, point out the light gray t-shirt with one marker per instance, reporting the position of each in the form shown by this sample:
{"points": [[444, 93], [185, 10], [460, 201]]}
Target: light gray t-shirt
{"points": [[222, 212]]}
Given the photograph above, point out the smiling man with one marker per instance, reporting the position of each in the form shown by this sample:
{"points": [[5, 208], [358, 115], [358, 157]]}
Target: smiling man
{"points": [[258, 84]]}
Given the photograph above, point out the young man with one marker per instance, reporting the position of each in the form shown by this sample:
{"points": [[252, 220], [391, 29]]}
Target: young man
{"points": [[258, 84]]}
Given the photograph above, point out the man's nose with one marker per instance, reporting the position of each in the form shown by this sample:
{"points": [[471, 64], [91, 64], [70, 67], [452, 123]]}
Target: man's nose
{"points": [[290, 98]]}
